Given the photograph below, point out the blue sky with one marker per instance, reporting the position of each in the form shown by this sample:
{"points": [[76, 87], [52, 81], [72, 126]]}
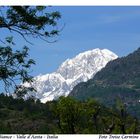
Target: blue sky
{"points": [[86, 28]]}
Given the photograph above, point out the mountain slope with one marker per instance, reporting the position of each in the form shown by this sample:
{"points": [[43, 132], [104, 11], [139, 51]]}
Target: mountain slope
{"points": [[73, 71], [120, 79], [122, 71]]}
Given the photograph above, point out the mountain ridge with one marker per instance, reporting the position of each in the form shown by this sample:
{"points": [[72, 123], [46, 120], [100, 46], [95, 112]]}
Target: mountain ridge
{"points": [[71, 72], [120, 79]]}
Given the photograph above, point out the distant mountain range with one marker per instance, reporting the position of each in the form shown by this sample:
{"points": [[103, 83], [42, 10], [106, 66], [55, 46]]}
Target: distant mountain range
{"points": [[73, 71], [119, 80]]}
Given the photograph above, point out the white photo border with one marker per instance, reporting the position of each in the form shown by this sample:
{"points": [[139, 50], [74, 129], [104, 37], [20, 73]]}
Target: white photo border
{"points": [[71, 2]]}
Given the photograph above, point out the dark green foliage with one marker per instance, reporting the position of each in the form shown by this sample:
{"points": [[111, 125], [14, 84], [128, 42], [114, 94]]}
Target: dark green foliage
{"points": [[119, 79], [69, 114], [30, 21], [65, 116], [27, 21], [14, 66], [24, 116]]}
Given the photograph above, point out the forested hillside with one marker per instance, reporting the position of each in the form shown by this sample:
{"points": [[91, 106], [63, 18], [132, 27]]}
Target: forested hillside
{"points": [[120, 79], [65, 116]]}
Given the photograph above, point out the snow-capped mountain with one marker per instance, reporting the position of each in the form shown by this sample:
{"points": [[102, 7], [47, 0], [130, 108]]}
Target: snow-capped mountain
{"points": [[71, 72]]}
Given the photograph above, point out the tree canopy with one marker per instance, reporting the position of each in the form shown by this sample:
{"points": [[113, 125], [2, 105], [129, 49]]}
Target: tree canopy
{"points": [[26, 21], [65, 116], [32, 21]]}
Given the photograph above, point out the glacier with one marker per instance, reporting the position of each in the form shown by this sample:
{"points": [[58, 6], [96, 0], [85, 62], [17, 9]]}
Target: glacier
{"points": [[71, 72]]}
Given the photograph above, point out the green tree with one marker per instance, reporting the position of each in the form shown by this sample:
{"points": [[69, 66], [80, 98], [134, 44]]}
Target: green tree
{"points": [[93, 112], [69, 113], [125, 123], [33, 21], [14, 66]]}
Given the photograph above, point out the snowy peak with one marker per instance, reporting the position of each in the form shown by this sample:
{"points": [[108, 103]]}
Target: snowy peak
{"points": [[71, 72], [86, 63]]}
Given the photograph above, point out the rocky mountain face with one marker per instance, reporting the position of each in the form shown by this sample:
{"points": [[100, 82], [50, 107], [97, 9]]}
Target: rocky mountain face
{"points": [[71, 72], [119, 80]]}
